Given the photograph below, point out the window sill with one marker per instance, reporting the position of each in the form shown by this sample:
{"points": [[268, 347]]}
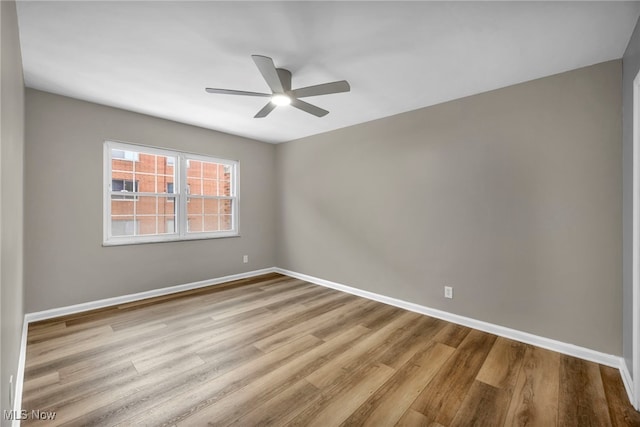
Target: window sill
{"points": [[172, 240]]}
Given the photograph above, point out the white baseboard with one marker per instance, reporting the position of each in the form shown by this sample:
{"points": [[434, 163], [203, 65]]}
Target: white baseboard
{"points": [[628, 382], [525, 337], [22, 358], [92, 305]]}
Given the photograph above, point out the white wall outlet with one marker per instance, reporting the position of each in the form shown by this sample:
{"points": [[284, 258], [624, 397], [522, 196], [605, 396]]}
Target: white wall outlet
{"points": [[448, 292], [245, 259]]}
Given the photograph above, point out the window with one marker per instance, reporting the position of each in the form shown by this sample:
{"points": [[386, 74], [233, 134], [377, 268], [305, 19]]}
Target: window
{"points": [[157, 195]]}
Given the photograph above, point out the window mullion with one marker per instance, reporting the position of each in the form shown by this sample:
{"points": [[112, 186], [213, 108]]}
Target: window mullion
{"points": [[182, 219]]}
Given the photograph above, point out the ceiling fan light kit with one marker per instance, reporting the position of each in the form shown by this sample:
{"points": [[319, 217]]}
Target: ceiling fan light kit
{"points": [[279, 81], [280, 99]]}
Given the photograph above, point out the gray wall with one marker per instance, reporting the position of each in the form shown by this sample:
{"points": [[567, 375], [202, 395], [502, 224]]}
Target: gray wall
{"points": [[630, 68], [65, 261], [11, 197], [512, 197]]}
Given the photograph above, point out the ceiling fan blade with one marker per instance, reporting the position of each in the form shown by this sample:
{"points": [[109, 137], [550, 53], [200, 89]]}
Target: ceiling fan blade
{"points": [[235, 92], [323, 89], [311, 109], [268, 70], [265, 110]]}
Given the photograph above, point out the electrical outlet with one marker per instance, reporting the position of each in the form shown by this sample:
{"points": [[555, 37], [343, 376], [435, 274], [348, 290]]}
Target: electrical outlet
{"points": [[448, 292], [245, 259]]}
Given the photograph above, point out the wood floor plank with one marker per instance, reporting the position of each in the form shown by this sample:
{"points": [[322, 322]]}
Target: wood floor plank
{"points": [[269, 300], [261, 390], [620, 409], [48, 379], [309, 297], [44, 332], [184, 402], [503, 363], [185, 394], [387, 405], [411, 344], [273, 350], [154, 346], [235, 338], [297, 370], [277, 411], [362, 313], [46, 348], [443, 396], [384, 313], [535, 398], [581, 398], [413, 418], [452, 334], [484, 406], [58, 394], [67, 354], [334, 407], [309, 326], [363, 351]]}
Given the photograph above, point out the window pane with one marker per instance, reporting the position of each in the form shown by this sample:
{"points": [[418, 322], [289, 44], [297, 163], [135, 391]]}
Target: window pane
{"points": [[211, 206], [117, 184], [226, 223], [167, 206], [146, 205], [225, 181], [194, 185], [203, 223], [211, 223], [209, 215], [209, 178], [194, 205], [124, 155], [210, 187], [143, 216], [121, 206], [194, 223], [225, 207], [194, 169], [162, 182], [124, 186], [121, 176], [224, 188], [124, 227], [133, 171]]}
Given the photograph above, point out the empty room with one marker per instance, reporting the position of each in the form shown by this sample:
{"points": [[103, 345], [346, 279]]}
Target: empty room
{"points": [[320, 213]]}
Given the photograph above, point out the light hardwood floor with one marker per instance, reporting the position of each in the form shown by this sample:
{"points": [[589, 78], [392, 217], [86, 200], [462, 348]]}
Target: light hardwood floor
{"points": [[273, 350]]}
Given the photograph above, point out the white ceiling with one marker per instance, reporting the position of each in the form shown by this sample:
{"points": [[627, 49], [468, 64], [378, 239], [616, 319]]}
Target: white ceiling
{"points": [[157, 57]]}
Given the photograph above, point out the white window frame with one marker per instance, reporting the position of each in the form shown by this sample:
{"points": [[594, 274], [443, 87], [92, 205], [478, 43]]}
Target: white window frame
{"points": [[180, 193]]}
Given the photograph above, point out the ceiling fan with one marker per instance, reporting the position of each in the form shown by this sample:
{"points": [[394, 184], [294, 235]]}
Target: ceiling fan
{"points": [[279, 81]]}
